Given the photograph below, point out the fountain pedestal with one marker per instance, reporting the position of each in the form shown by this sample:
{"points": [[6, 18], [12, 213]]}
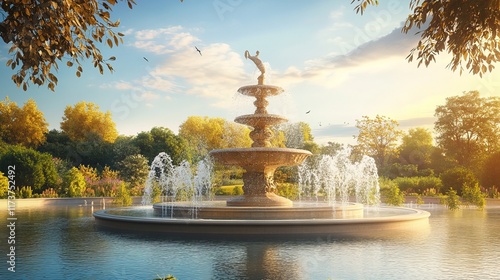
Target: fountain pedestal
{"points": [[261, 160]]}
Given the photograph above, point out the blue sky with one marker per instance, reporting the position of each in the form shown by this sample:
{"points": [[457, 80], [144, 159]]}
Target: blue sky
{"points": [[332, 62]]}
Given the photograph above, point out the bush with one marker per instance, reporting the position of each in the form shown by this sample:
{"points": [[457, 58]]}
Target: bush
{"points": [[228, 190], [288, 190], [74, 183], [49, 193], [457, 177], [392, 194], [123, 197], [473, 195], [4, 185], [418, 184], [452, 200], [24, 192], [33, 168], [237, 190]]}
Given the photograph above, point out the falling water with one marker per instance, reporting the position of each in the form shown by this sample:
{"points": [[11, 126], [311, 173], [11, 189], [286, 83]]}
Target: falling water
{"points": [[336, 179], [177, 183]]}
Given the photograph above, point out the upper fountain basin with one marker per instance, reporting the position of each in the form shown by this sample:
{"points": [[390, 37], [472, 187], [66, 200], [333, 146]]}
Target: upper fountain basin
{"points": [[260, 90], [260, 120], [259, 157]]}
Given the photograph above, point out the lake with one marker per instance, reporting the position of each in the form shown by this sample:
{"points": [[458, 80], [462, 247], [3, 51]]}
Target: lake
{"points": [[62, 242]]}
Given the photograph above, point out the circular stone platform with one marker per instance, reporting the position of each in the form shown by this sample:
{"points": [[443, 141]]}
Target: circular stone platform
{"points": [[383, 220]]}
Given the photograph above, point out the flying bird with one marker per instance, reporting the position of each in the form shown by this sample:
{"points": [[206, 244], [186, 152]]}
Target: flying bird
{"points": [[198, 50], [145, 59], [308, 112]]}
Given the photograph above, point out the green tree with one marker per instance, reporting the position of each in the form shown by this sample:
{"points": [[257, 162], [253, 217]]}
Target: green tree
{"points": [[378, 138], [42, 34], [468, 128], [457, 178], [416, 148], [490, 176], [161, 139], [33, 168], [122, 148], [331, 148], [468, 29], [85, 120], [25, 126], [4, 185], [134, 169], [74, 183]]}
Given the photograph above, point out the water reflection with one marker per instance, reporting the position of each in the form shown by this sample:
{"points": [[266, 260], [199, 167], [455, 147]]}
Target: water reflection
{"points": [[62, 242]]}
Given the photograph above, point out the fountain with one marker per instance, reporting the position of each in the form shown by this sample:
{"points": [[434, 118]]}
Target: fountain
{"points": [[260, 211]]}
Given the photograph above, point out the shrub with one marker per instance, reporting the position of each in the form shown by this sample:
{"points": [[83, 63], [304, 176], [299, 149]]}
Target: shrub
{"points": [[457, 177], [452, 200], [237, 190], [24, 192], [49, 193], [4, 185], [288, 190], [227, 190], [123, 197], [393, 195], [493, 192], [473, 195], [74, 183], [418, 184], [33, 168]]}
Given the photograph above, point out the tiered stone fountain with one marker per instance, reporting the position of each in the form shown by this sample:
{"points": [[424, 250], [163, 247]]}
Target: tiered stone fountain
{"points": [[261, 160], [259, 211]]}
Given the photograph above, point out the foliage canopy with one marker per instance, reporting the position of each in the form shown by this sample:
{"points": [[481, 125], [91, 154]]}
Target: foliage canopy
{"points": [[468, 29], [25, 126], [42, 34], [85, 120]]}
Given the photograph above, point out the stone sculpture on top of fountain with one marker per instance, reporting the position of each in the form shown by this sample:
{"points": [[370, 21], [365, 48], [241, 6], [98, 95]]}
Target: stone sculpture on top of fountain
{"points": [[261, 160]]}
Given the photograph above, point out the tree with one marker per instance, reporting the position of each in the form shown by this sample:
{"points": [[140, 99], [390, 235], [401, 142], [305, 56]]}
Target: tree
{"points": [[458, 177], [74, 183], [205, 134], [331, 148], [468, 29], [161, 139], [25, 126], [33, 169], [134, 169], [43, 34], [491, 171], [416, 147], [468, 128], [85, 120], [378, 138]]}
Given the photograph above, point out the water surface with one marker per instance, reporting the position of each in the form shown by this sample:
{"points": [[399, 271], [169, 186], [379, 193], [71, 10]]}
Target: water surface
{"points": [[61, 242]]}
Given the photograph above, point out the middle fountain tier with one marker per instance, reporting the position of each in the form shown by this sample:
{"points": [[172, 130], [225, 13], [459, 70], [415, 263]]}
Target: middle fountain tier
{"points": [[261, 160]]}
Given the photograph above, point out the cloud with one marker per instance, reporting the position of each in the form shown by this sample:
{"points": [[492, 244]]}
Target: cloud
{"points": [[163, 40], [417, 122], [215, 74]]}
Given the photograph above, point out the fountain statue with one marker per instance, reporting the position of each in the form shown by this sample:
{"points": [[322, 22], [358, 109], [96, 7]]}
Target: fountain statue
{"points": [[260, 210]]}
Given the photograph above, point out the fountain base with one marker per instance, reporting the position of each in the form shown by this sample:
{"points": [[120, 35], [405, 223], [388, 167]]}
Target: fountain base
{"points": [[216, 210], [262, 200], [373, 223]]}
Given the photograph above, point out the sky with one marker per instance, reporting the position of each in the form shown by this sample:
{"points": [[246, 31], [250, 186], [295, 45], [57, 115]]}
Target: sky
{"points": [[333, 63]]}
